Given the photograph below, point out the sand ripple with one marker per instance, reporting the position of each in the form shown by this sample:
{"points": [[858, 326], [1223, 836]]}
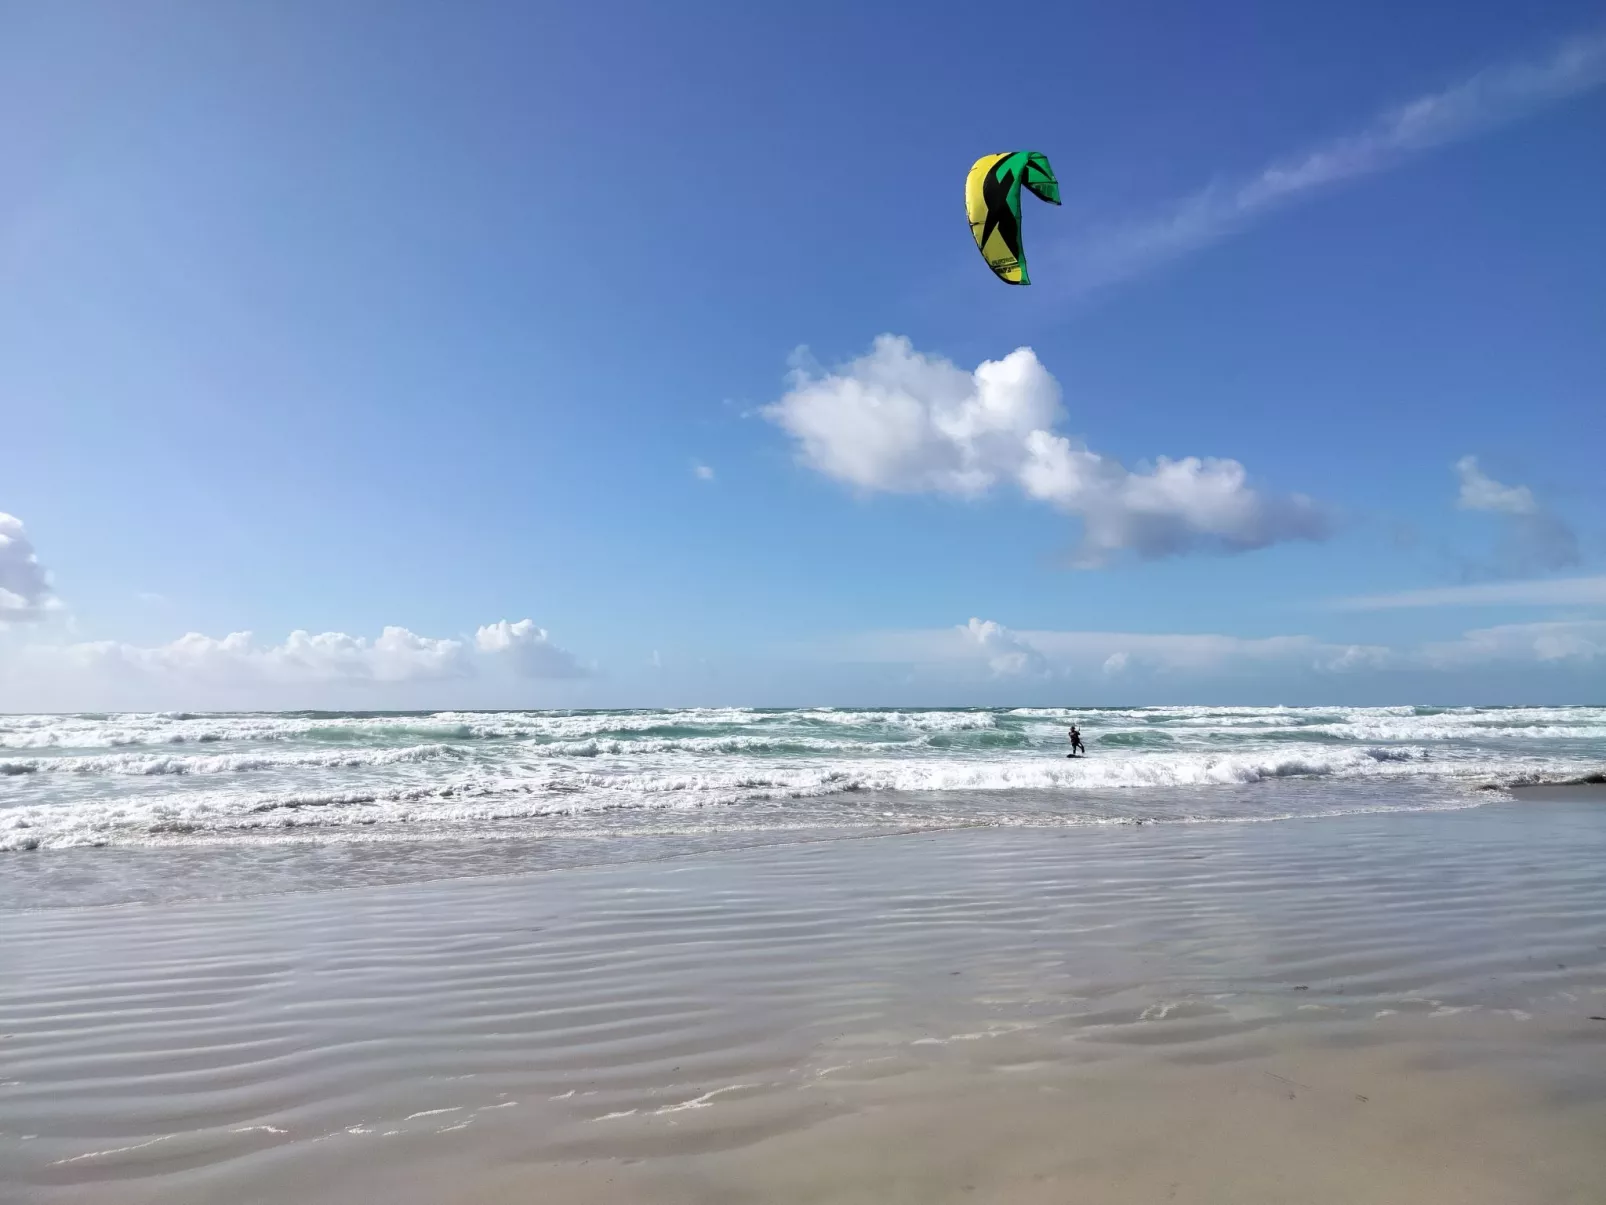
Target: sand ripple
{"points": [[711, 1003]]}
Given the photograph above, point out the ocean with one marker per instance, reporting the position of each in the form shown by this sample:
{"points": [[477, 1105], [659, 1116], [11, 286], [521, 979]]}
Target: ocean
{"points": [[397, 796]]}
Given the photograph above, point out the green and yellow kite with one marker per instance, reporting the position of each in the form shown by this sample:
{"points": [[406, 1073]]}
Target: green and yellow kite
{"points": [[992, 201]]}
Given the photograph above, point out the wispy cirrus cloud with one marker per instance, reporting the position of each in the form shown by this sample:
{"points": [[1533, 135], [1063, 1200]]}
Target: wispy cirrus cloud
{"points": [[1485, 101], [1554, 642], [1543, 592], [988, 648], [1007, 653]]}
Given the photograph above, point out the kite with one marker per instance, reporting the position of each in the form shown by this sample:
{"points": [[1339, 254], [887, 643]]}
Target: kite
{"points": [[992, 201]]}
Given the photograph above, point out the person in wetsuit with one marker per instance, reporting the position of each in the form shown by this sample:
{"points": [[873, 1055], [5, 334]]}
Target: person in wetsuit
{"points": [[1076, 742]]}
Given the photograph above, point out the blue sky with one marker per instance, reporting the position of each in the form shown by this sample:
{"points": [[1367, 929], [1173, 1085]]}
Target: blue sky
{"points": [[441, 317]]}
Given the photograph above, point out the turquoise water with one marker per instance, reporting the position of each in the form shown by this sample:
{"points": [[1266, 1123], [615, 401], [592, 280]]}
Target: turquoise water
{"points": [[271, 778]]}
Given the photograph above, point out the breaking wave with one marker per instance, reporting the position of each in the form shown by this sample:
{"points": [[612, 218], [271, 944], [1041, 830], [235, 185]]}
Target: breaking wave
{"points": [[160, 778]]}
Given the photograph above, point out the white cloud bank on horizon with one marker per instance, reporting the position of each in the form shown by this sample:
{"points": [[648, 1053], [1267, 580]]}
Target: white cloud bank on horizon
{"points": [[1005, 653], [236, 664], [197, 669], [25, 593], [899, 421], [235, 660], [1481, 102]]}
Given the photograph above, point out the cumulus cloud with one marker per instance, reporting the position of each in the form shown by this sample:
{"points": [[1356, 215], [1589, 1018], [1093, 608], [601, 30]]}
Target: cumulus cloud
{"points": [[1479, 491], [527, 649], [703, 472], [1533, 539], [1171, 508], [1481, 102], [897, 420], [25, 592], [1008, 655]]}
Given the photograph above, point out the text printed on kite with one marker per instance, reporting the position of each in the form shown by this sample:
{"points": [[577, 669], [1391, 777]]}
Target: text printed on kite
{"points": [[992, 202]]}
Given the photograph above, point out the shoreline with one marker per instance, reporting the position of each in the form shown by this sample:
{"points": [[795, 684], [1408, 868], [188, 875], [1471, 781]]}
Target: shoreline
{"points": [[96, 876], [1583, 792]]}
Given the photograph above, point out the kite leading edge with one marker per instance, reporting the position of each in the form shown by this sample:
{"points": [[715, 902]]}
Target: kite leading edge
{"points": [[992, 202]]}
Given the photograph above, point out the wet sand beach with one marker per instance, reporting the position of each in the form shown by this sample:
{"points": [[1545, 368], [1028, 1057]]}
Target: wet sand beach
{"points": [[1381, 1007]]}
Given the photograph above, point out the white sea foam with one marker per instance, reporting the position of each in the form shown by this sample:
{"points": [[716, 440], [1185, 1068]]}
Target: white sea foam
{"points": [[85, 779], [923, 721], [141, 764], [641, 746]]}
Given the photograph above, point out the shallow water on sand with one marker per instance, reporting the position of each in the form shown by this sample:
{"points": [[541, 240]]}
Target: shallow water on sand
{"points": [[510, 1033]]}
